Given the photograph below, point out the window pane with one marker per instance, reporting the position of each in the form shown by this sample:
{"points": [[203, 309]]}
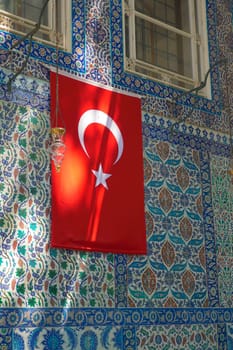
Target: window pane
{"points": [[29, 9], [172, 12], [6, 5], [13, 11], [163, 48]]}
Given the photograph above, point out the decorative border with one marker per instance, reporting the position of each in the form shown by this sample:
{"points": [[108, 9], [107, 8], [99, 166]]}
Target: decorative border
{"points": [[210, 244], [129, 338], [121, 280], [200, 136], [222, 336], [187, 135], [57, 317], [25, 91]]}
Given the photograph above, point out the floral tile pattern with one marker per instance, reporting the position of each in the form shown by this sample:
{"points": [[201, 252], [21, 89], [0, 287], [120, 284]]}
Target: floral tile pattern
{"points": [[173, 272], [98, 338], [32, 274], [5, 338], [179, 296], [98, 52], [183, 337]]}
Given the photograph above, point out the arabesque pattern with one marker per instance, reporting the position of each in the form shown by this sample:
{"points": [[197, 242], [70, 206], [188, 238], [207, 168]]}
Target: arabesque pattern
{"points": [[173, 272], [32, 274], [196, 337], [93, 301]]}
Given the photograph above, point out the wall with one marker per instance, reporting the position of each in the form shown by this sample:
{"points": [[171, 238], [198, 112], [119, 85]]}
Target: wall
{"points": [[179, 296]]}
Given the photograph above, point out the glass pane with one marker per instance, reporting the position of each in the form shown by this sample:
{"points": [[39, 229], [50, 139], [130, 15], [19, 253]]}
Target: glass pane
{"points": [[29, 9], [6, 5], [163, 48], [173, 80], [60, 9], [172, 12]]}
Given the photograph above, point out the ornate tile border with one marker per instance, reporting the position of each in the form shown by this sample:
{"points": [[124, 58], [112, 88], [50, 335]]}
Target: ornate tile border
{"points": [[210, 244], [195, 137], [60, 317], [25, 91], [222, 336], [121, 280]]}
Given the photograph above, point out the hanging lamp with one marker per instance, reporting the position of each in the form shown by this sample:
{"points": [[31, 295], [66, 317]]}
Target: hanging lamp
{"points": [[57, 146]]}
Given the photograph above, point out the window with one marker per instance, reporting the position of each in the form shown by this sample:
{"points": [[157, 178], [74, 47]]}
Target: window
{"points": [[19, 16], [167, 40]]}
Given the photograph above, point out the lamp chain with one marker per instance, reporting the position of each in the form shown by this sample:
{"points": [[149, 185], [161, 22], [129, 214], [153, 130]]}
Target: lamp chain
{"points": [[57, 63]]}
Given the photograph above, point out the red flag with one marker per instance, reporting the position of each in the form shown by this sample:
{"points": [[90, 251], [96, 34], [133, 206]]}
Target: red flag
{"points": [[98, 195]]}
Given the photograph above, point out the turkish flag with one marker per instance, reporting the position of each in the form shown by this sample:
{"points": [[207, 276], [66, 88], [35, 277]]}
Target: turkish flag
{"points": [[98, 195]]}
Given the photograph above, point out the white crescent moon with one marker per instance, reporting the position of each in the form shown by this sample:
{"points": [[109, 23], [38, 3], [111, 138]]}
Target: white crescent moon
{"points": [[96, 116]]}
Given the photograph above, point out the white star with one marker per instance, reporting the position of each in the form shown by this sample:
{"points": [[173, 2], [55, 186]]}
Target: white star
{"points": [[101, 177]]}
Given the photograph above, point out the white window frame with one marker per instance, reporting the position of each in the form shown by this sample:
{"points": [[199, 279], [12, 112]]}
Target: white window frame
{"points": [[8, 21], [200, 61]]}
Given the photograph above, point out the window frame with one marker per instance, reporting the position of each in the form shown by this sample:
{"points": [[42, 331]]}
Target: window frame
{"points": [[199, 55], [9, 20]]}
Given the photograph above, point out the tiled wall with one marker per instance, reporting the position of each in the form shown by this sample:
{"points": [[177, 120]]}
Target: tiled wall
{"points": [[179, 296]]}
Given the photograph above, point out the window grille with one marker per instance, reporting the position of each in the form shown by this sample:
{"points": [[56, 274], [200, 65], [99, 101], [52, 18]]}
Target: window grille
{"points": [[167, 40], [20, 16]]}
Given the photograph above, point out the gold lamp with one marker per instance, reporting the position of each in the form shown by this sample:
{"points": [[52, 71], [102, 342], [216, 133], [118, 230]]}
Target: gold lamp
{"points": [[57, 146]]}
